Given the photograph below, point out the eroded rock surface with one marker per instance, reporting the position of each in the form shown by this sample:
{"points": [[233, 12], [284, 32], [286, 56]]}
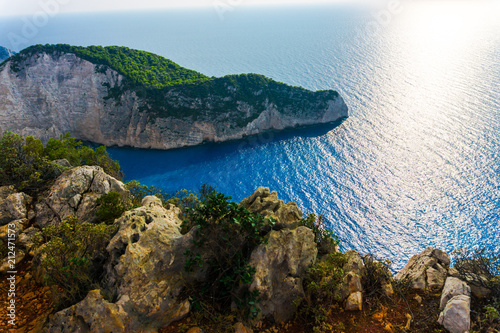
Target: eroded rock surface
{"points": [[13, 205], [456, 315], [426, 271], [280, 265], [453, 287], [266, 203], [75, 193], [146, 272]]}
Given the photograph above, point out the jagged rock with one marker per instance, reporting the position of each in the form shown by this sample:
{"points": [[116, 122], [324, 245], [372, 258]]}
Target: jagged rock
{"points": [[240, 328], [452, 271], [147, 261], [427, 270], [75, 193], [478, 283], [146, 273], [5, 264], [280, 265], [16, 230], [354, 302], [267, 204], [436, 277], [351, 284], [453, 287], [13, 206], [5, 191], [351, 288], [26, 239], [456, 315], [354, 263], [93, 314]]}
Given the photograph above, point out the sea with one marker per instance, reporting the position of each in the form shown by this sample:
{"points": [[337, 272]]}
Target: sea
{"points": [[416, 164]]}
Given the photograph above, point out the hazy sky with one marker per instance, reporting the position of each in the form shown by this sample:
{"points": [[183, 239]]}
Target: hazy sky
{"points": [[30, 7]]}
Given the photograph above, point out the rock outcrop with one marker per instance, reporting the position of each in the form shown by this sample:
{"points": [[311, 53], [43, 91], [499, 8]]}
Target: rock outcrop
{"points": [[426, 271], [280, 265], [147, 264], [456, 315], [93, 314], [75, 193], [351, 289], [453, 287], [13, 205], [46, 95], [14, 218], [146, 273], [455, 306], [267, 204]]}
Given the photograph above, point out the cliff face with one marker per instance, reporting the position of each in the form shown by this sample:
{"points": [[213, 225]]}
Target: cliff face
{"points": [[46, 95]]}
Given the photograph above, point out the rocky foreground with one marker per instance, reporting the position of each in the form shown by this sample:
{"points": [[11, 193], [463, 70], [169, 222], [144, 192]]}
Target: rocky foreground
{"points": [[146, 258]]}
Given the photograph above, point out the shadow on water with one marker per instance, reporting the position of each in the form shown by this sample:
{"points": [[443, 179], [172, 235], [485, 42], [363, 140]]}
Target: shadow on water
{"points": [[138, 162]]}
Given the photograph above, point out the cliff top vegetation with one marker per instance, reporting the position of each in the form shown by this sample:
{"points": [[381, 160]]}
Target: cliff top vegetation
{"points": [[140, 67]]}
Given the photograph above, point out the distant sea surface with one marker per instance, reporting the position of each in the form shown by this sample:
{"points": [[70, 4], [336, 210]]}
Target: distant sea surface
{"points": [[417, 163]]}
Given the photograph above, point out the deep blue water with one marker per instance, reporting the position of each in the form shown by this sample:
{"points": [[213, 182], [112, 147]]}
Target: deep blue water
{"points": [[417, 162]]}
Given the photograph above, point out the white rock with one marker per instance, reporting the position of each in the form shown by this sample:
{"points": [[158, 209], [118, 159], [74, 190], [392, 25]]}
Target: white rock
{"points": [[456, 315], [453, 287]]}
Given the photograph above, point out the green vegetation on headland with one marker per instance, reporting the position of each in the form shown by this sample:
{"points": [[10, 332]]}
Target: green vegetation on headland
{"points": [[227, 245], [141, 68]]}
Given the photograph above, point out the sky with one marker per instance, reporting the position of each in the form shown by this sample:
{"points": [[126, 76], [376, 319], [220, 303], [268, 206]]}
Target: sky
{"points": [[30, 7]]}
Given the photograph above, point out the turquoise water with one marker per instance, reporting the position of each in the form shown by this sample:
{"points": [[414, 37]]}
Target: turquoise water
{"points": [[417, 162]]}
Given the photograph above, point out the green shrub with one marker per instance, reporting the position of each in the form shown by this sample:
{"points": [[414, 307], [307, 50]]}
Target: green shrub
{"points": [[324, 277], [29, 165], [77, 154], [72, 257], [226, 234], [111, 207], [481, 268], [377, 274], [23, 164], [321, 284], [139, 191], [323, 236]]}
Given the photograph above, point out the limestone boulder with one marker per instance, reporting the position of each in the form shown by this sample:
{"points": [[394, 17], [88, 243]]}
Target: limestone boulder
{"points": [[354, 302], [280, 266], [93, 314], [75, 193], [267, 204], [146, 266], [453, 287], [456, 315], [13, 205], [352, 283], [354, 263], [426, 271], [351, 288], [145, 271], [14, 227]]}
